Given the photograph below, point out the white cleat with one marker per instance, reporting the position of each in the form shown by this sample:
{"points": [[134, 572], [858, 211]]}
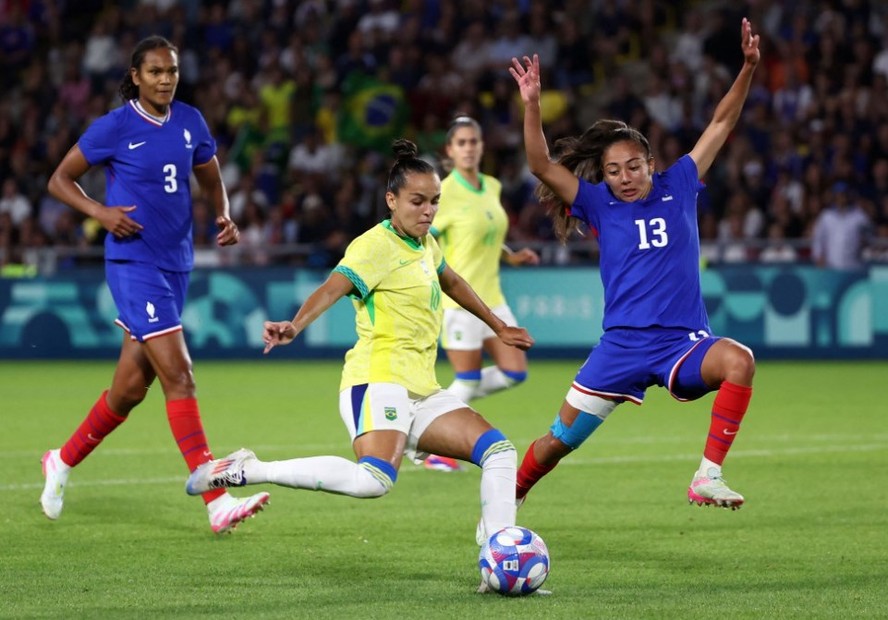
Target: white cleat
{"points": [[219, 474], [710, 489], [55, 471]]}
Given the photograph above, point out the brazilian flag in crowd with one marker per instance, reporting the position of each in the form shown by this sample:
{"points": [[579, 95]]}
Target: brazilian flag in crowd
{"points": [[373, 113]]}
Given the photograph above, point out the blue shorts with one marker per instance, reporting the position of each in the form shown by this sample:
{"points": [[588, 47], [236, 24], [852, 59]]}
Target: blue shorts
{"points": [[628, 361], [149, 300]]}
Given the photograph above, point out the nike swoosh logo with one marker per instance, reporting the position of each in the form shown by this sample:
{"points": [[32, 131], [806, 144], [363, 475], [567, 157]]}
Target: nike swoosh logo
{"points": [[405, 262], [727, 432], [91, 438], [135, 145]]}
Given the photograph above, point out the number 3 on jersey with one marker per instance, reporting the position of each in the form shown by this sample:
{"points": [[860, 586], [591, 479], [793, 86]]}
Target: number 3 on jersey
{"points": [[655, 230], [170, 185]]}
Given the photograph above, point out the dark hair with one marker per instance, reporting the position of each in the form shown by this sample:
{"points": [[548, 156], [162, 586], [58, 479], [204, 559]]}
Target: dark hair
{"points": [[582, 156], [406, 162], [461, 121], [128, 90]]}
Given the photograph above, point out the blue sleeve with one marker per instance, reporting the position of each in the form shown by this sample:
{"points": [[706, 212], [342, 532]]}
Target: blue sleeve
{"points": [[205, 147], [99, 142], [583, 206]]}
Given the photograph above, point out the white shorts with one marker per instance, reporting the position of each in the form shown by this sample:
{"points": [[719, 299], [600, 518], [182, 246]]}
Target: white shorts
{"points": [[463, 331], [390, 407]]}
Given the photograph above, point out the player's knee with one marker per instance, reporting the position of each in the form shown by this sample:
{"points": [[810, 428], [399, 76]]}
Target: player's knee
{"points": [[376, 477], [740, 364], [514, 377], [492, 446]]}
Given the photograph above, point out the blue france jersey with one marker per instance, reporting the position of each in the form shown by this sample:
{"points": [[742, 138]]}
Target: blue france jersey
{"points": [[650, 251], [148, 164]]}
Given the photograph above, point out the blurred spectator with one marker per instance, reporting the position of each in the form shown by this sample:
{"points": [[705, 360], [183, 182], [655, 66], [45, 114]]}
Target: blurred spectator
{"points": [[13, 202], [841, 232]]}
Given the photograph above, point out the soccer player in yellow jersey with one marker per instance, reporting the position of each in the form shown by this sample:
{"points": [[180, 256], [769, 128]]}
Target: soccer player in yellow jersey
{"points": [[389, 399], [471, 226]]}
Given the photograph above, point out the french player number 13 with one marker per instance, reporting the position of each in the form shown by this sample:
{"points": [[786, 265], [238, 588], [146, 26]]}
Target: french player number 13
{"points": [[655, 229], [170, 185]]}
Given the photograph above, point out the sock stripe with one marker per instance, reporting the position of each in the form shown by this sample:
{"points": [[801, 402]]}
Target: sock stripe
{"points": [[381, 470]]}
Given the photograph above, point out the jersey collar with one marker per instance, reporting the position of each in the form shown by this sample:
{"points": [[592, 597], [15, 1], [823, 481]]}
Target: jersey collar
{"points": [[416, 244], [158, 121], [462, 181]]}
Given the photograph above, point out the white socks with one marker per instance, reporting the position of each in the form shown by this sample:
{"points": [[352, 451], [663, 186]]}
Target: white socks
{"points": [[498, 474], [493, 380], [331, 474]]}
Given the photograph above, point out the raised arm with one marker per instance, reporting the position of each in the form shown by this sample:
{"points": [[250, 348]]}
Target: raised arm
{"points": [[459, 290], [728, 110], [327, 294], [561, 180], [209, 177]]}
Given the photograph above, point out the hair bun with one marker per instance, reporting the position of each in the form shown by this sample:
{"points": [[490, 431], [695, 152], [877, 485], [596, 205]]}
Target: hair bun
{"points": [[404, 149]]}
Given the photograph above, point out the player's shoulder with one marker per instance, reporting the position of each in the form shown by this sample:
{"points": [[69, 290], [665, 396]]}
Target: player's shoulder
{"points": [[492, 184]]}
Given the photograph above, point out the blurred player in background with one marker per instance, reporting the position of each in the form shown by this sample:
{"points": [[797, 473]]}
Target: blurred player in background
{"points": [[656, 330], [389, 399], [471, 227], [149, 147]]}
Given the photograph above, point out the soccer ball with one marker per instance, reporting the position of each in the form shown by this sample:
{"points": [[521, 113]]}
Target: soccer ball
{"points": [[514, 561]]}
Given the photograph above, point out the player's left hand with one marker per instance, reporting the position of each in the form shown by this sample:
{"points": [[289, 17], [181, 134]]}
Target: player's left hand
{"points": [[517, 337], [228, 232]]}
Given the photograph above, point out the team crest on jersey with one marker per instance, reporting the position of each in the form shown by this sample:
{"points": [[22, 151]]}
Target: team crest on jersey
{"points": [[187, 135], [149, 308], [391, 413]]}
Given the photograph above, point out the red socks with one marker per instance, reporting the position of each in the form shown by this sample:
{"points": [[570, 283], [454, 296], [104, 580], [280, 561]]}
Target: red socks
{"points": [[530, 473], [98, 423], [730, 405], [184, 418]]}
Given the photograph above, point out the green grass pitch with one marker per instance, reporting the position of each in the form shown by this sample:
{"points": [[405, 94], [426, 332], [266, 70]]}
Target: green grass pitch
{"points": [[811, 541]]}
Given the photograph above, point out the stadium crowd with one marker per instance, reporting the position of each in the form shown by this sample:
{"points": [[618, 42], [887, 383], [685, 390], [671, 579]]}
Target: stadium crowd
{"points": [[305, 96]]}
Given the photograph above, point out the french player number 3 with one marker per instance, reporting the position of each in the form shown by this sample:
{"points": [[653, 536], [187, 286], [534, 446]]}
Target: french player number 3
{"points": [[657, 227], [170, 185]]}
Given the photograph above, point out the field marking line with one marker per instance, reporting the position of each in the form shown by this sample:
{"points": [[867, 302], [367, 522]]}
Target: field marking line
{"points": [[603, 460]]}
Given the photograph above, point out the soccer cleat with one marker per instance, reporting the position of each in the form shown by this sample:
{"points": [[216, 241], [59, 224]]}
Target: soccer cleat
{"points": [[442, 463], [710, 489], [56, 473], [480, 538], [219, 474], [227, 512]]}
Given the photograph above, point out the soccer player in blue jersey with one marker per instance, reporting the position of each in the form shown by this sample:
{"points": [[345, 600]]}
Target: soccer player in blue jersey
{"points": [[149, 148], [656, 330]]}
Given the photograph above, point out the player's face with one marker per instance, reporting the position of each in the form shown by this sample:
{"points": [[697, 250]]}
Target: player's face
{"points": [[466, 148], [157, 79], [414, 207], [628, 170]]}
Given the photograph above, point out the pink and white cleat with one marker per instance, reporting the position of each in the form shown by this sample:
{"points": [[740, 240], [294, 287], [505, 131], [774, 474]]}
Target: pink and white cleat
{"points": [[442, 463], [227, 512], [55, 471], [710, 488]]}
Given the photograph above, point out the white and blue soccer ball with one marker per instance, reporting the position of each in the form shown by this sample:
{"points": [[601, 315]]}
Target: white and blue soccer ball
{"points": [[514, 561]]}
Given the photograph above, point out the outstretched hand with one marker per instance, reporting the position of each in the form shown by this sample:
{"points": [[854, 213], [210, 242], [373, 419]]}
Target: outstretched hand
{"points": [[277, 332], [528, 78], [516, 337], [524, 256], [750, 43]]}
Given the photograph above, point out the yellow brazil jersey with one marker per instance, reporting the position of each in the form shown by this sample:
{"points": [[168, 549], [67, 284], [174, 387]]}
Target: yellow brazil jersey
{"points": [[471, 225], [398, 312]]}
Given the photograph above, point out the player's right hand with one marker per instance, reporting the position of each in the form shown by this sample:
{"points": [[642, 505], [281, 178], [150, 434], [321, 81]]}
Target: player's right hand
{"points": [[528, 78], [277, 332], [116, 221]]}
